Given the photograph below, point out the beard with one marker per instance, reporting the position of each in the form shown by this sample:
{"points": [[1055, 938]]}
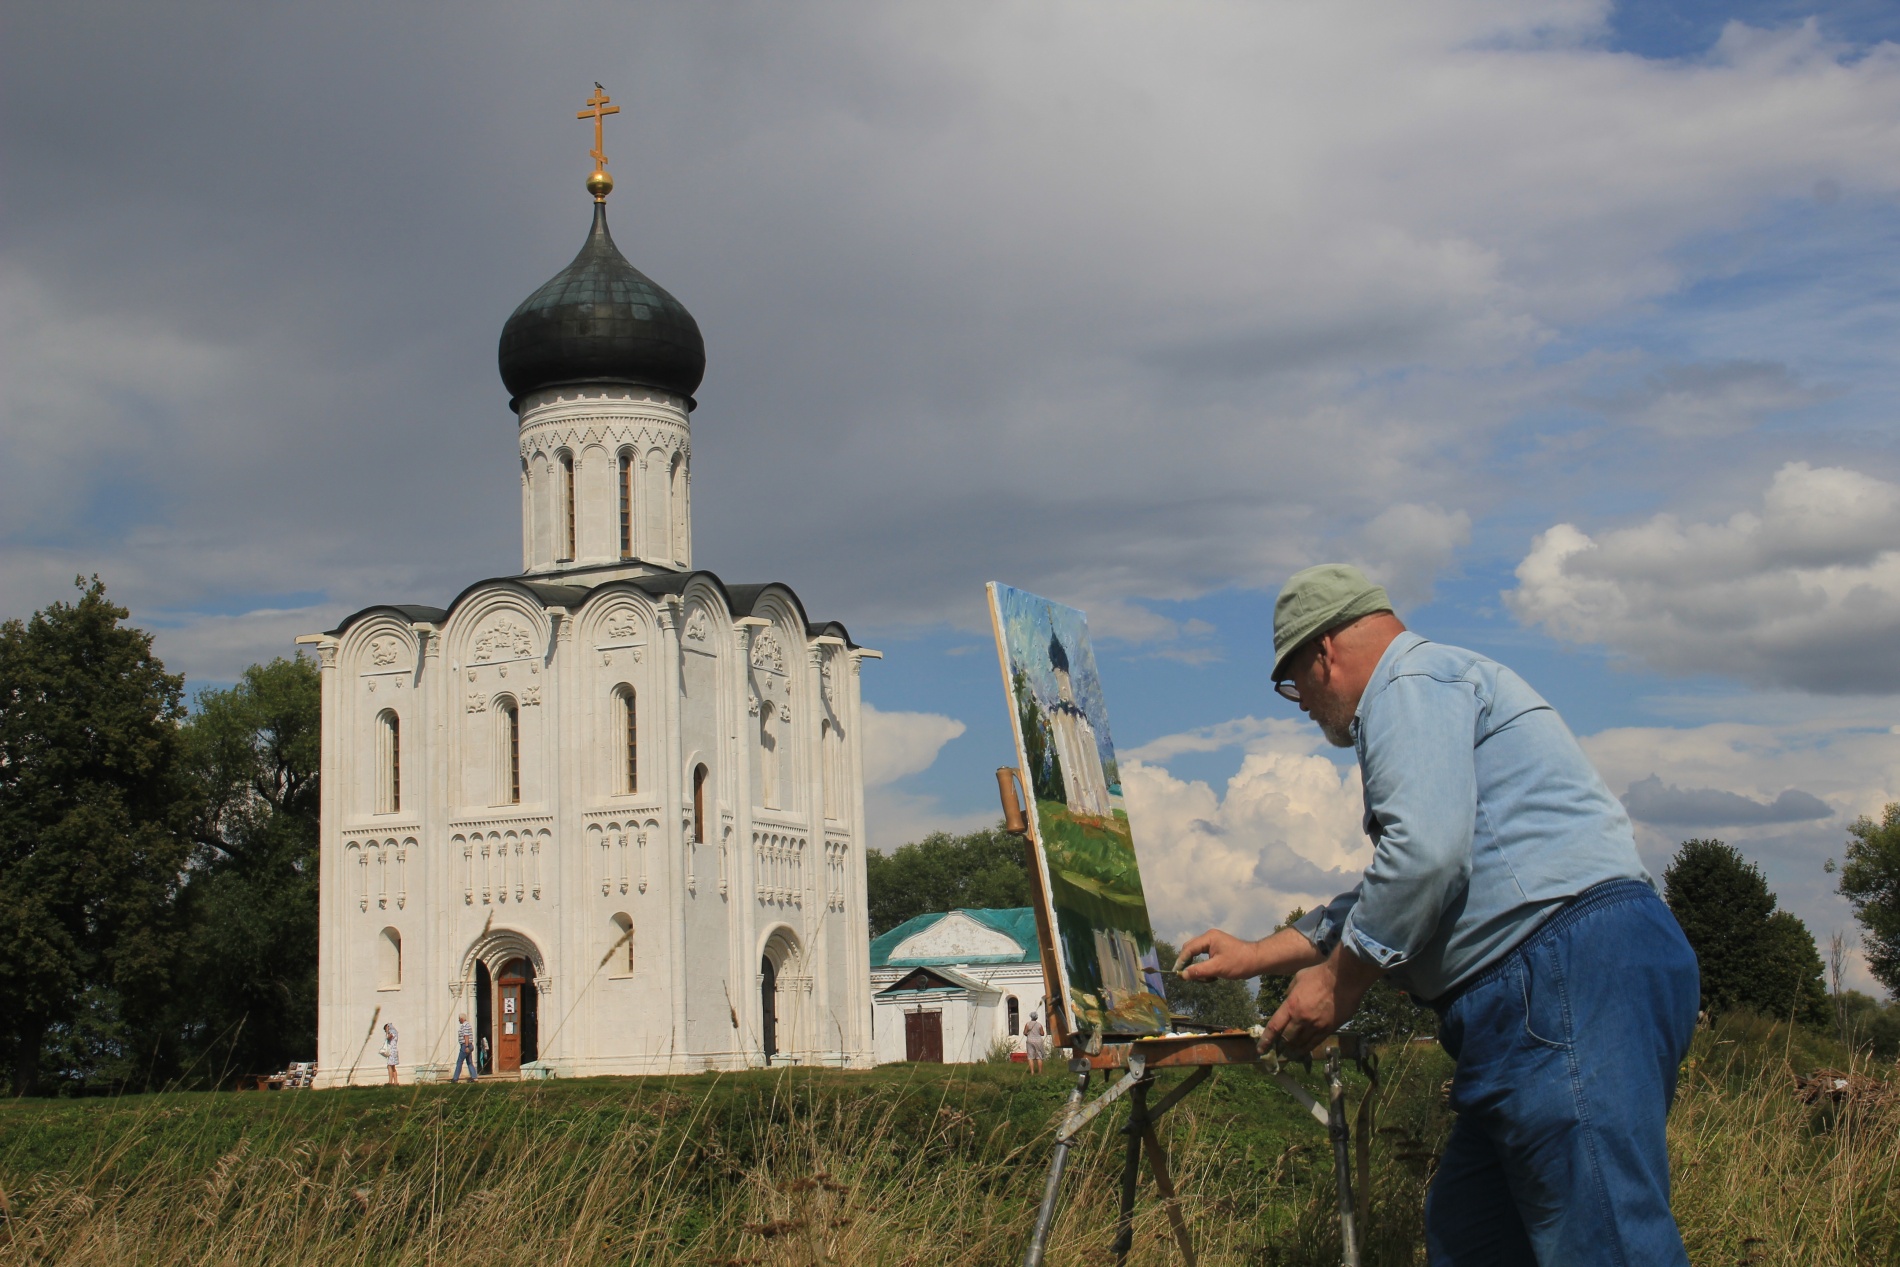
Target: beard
{"points": [[1334, 721]]}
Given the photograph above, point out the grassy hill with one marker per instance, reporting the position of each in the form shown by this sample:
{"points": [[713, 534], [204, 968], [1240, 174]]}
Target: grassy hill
{"points": [[903, 1165]]}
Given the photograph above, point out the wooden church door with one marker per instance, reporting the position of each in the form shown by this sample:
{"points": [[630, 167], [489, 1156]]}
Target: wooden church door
{"points": [[511, 989], [923, 1036]]}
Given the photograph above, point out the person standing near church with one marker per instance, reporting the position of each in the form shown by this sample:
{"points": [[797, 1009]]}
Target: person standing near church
{"points": [[464, 1049], [1505, 892], [389, 1051], [1033, 1048]]}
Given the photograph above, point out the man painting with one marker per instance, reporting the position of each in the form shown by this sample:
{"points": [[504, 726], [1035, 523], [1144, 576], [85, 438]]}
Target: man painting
{"points": [[1505, 892]]}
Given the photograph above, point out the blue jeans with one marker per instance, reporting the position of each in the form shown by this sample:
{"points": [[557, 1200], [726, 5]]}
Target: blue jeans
{"points": [[1567, 1053], [464, 1058]]}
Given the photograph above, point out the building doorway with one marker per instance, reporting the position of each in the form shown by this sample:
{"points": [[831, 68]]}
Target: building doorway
{"points": [[484, 1019], [517, 1032], [768, 1007], [923, 1037]]}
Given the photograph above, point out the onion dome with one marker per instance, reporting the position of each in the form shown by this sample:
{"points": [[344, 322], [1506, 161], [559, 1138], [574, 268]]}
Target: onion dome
{"points": [[601, 320]]}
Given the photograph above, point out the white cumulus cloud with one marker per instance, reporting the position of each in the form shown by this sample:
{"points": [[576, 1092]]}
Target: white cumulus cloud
{"points": [[1803, 593], [1283, 832]]}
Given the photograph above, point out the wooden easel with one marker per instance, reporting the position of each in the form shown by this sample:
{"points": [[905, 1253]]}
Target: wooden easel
{"points": [[1142, 1058]]}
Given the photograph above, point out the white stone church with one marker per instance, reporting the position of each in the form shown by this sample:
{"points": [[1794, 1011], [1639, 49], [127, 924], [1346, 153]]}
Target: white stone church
{"points": [[612, 807]]}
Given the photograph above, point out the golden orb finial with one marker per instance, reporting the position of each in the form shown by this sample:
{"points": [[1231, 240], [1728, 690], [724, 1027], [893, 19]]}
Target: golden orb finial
{"points": [[599, 184]]}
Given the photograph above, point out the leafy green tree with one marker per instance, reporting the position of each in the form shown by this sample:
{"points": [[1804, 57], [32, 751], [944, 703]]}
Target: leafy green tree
{"points": [[1228, 1004], [249, 1002], [1869, 1023], [1752, 957], [1870, 879], [942, 872], [94, 807]]}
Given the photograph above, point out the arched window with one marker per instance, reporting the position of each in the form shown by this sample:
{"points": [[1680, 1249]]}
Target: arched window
{"points": [[388, 763], [628, 716], [567, 504], [1015, 1017], [626, 505], [389, 960], [620, 953], [699, 804], [768, 756], [827, 763], [509, 769], [677, 491]]}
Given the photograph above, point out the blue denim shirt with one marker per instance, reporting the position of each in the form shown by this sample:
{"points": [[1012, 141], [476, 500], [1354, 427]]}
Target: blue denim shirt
{"points": [[1485, 817]]}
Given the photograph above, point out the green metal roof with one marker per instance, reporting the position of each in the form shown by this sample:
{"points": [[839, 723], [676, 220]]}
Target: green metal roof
{"points": [[1018, 923]]}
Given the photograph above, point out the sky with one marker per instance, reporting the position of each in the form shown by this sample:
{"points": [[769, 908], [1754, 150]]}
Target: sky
{"points": [[1574, 323]]}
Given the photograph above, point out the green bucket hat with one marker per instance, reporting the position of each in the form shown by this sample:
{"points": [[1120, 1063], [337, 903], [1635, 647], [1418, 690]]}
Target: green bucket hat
{"points": [[1318, 599]]}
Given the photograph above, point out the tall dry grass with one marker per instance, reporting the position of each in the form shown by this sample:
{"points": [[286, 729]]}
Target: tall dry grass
{"points": [[796, 1168], [1763, 1177]]}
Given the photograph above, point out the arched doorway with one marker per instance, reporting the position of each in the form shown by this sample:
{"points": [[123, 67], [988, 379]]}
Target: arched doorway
{"points": [[517, 1036], [781, 984], [768, 1006], [505, 972], [484, 1020]]}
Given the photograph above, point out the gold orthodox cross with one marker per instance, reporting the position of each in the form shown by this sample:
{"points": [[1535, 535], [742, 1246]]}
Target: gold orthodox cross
{"points": [[597, 110]]}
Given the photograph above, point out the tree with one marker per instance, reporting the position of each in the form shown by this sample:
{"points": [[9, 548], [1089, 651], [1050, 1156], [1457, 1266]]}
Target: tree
{"points": [[1226, 1004], [1870, 879], [941, 872], [93, 810], [1752, 957], [250, 905]]}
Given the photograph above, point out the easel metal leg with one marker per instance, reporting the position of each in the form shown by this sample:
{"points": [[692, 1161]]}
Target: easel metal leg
{"points": [[1341, 1132], [1158, 1163], [1136, 1129], [1052, 1189]]}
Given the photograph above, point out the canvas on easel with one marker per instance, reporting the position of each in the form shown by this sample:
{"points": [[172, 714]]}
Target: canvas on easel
{"points": [[1105, 972]]}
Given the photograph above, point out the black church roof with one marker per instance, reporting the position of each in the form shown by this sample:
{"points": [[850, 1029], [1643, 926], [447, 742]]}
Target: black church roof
{"points": [[601, 320]]}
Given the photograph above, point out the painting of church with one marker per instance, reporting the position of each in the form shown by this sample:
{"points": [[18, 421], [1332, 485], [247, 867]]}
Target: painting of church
{"points": [[1106, 979], [610, 807]]}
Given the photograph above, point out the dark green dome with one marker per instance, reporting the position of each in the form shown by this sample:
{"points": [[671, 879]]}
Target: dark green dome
{"points": [[601, 320]]}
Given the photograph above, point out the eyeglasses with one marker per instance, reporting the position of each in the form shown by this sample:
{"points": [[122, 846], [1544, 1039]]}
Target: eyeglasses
{"points": [[1286, 688]]}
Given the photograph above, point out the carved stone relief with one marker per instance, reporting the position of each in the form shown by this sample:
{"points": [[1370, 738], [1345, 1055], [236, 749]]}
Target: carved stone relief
{"points": [[504, 639]]}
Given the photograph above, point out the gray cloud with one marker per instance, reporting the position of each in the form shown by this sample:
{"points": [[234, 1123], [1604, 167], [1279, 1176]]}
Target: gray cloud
{"points": [[1665, 805], [1704, 399], [1284, 871], [1137, 304], [1803, 593]]}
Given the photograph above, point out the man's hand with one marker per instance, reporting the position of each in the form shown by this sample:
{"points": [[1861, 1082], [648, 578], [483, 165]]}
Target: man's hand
{"points": [[1228, 957], [1322, 998]]}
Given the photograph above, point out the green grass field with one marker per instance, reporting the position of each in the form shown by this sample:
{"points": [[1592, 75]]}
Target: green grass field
{"points": [[903, 1165]]}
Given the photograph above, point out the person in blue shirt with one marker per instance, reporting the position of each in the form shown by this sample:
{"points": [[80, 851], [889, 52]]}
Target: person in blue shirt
{"points": [[1506, 893]]}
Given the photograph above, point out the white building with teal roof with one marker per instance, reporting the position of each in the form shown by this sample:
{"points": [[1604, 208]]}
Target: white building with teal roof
{"points": [[952, 986]]}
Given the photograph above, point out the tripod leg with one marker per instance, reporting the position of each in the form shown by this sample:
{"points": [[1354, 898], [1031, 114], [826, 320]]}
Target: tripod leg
{"points": [[1046, 1215], [1131, 1169], [1341, 1132], [1164, 1183]]}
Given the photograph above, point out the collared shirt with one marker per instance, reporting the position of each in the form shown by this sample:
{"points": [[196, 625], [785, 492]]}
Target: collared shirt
{"points": [[1485, 818], [465, 1035]]}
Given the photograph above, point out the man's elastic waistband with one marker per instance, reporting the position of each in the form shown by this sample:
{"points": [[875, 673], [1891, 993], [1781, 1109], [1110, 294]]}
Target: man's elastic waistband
{"points": [[1592, 899]]}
